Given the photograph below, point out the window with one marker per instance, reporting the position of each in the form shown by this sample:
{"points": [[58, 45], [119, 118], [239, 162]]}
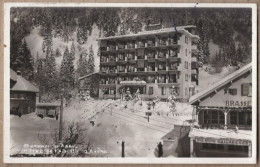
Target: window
{"points": [[246, 89], [150, 91], [233, 117], [186, 77], [230, 91], [112, 91], [186, 91], [163, 90], [186, 52]]}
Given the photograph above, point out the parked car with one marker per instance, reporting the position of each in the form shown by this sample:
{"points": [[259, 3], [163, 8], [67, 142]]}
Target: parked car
{"points": [[48, 110]]}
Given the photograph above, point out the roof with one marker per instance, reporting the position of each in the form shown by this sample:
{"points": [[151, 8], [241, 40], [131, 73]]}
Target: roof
{"points": [[85, 76], [48, 104], [13, 75], [23, 85], [132, 83], [221, 83], [180, 29], [221, 134]]}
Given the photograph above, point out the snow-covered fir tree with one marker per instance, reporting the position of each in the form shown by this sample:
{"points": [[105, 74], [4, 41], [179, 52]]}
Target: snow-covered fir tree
{"points": [[67, 72], [91, 63]]}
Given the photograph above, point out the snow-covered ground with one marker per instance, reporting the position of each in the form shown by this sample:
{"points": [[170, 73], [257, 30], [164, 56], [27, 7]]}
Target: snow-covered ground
{"points": [[114, 122]]}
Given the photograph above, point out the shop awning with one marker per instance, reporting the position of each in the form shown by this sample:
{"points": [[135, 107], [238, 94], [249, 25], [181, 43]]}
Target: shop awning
{"points": [[132, 83], [219, 134]]}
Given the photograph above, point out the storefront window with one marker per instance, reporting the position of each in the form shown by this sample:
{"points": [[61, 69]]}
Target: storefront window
{"points": [[242, 118], [233, 117]]}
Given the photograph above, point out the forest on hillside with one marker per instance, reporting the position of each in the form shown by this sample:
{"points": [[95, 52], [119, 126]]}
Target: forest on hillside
{"points": [[230, 29]]}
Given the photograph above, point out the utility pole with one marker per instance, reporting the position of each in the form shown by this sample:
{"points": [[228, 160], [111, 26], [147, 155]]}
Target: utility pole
{"points": [[123, 149], [61, 118]]}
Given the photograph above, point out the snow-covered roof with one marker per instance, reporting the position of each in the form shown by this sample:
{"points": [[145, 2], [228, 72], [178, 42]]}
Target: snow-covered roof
{"points": [[221, 83], [13, 75], [180, 29], [85, 76], [221, 134], [132, 83], [24, 86]]}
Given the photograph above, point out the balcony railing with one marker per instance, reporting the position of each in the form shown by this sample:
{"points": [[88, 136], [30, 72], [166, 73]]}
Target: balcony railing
{"points": [[162, 80], [130, 57], [163, 42], [112, 58], [121, 46], [103, 59], [131, 45], [161, 67], [150, 56], [112, 81], [121, 69], [141, 57], [141, 44], [112, 47], [150, 43], [172, 41]]}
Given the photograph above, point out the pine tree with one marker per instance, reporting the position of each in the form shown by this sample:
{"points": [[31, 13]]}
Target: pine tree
{"points": [[24, 61], [91, 63], [67, 72], [50, 72], [82, 65], [72, 51]]}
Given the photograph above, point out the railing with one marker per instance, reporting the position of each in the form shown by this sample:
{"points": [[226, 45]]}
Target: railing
{"points": [[131, 45], [121, 46], [112, 58], [150, 43], [103, 59], [141, 44], [150, 56]]}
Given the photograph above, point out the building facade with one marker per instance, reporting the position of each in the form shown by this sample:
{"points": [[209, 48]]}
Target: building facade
{"points": [[223, 111], [22, 95], [161, 58]]}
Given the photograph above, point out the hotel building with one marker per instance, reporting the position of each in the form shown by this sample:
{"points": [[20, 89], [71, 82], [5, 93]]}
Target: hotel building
{"points": [[223, 111], [151, 61]]}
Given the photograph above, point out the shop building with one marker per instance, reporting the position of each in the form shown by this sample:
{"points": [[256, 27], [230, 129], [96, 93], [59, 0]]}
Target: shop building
{"points": [[159, 58], [223, 117]]}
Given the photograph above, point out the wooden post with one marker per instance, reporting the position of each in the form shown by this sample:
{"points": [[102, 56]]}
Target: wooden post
{"points": [[191, 147], [123, 149], [225, 126], [61, 119], [250, 150]]}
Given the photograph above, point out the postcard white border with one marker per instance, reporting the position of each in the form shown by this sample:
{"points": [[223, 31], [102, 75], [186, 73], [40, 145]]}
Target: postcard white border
{"points": [[8, 159]]}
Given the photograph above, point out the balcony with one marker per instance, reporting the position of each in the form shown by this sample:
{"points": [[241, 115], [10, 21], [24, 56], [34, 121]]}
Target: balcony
{"points": [[140, 57], [131, 69], [140, 69], [103, 59], [141, 44], [112, 81], [121, 46], [172, 41], [112, 70], [173, 53], [102, 82], [161, 67], [111, 48], [151, 43], [162, 80], [151, 56], [122, 69], [112, 58], [151, 68], [130, 45], [130, 57], [162, 55], [104, 70], [163, 42], [151, 79]]}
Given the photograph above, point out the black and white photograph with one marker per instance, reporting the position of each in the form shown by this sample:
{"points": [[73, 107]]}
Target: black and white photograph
{"points": [[130, 83]]}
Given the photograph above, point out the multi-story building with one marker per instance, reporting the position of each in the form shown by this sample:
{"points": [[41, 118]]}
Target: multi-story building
{"points": [[151, 61], [223, 114]]}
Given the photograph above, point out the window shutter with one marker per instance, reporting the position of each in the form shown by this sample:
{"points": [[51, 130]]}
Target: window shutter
{"points": [[234, 91], [244, 89], [250, 90]]}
